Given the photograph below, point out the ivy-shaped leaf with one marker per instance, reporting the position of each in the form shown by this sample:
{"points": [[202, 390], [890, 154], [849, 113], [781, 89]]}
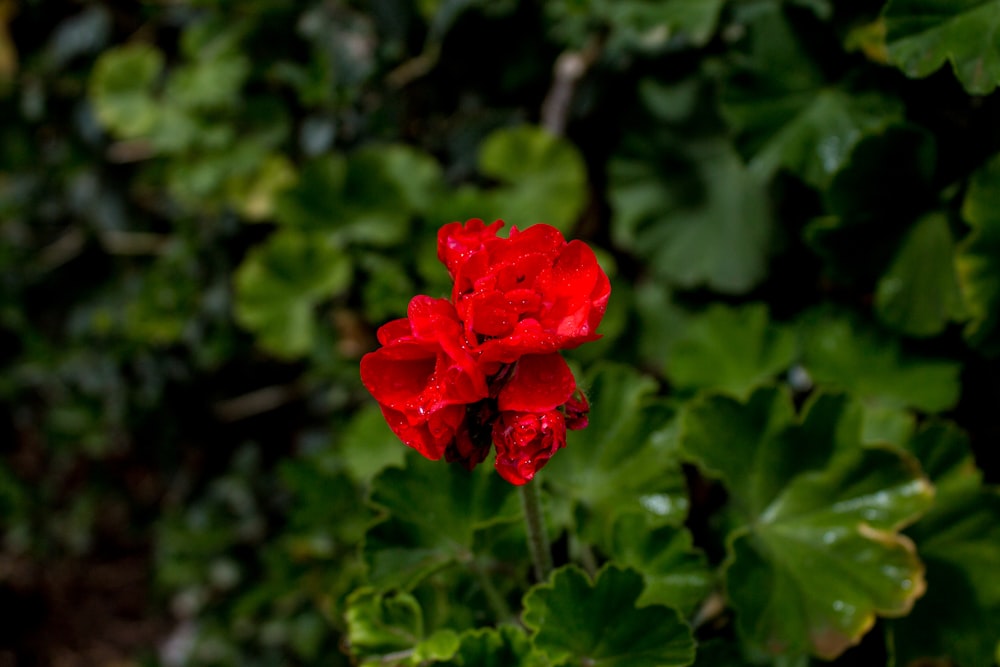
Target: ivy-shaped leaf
{"points": [[959, 540], [979, 258], [625, 460], [922, 34], [731, 350], [919, 294], [703, 220], [355, 199], [787, 115], [816, 554], [675, 573], [433, 513], [543, 177], [575, 621], [281, 281], [121, 89], [842, 352], [388, 629]]}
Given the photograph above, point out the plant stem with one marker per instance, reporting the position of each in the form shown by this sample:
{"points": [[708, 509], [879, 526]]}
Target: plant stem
{"points": [[538, 539]]}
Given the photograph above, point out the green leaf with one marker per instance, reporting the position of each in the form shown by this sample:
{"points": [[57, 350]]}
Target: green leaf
{"points": [[675, 573], [649, 25], [979, 258], [862, 231], [279, 284], [208, 84], [433, 513], [625, 460], [922, 34], [441, 645], [959, 540], [416, 174], [816, 555], [660, 322], [380, 623], [787, 115], [731, 350], [578, 622], [544, 178], [367, 445], [919, 294], [506, 646], [355, 199], [841, 352], [715, 231], [636, 25], [121, 89]]}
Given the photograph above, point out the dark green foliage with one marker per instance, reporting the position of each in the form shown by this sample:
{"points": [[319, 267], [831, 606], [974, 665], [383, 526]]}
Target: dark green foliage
{"points": [[207, 209]]}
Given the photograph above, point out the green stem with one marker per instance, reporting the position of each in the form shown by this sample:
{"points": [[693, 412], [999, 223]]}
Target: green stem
{"points": [[538, 539]]}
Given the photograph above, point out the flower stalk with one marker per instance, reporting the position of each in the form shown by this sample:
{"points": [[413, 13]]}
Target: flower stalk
{"points": [[538, 539]]}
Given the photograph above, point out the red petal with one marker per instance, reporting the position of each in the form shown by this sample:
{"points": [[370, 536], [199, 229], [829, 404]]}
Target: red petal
{"points": [[525, 442], [457, 242], [430, 435], [392, 331], [540, 383], [397, 376]]}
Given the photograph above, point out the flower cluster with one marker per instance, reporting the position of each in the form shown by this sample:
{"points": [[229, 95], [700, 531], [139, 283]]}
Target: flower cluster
{"points": [[457, 375]]}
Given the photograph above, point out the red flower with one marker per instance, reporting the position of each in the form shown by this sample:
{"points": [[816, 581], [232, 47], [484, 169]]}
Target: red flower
{"points": [[531, 428], [525, 442], [456, 242], [454, 377], [424, 375], [529, 294]]}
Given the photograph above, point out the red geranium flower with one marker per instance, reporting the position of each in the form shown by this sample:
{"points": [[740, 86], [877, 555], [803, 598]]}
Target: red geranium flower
{"points": [[455, 377], [424, 375], [529, 294]]}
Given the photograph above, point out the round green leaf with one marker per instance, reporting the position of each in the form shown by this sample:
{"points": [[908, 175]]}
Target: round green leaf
{"points": [[544, 177], [578, 622], [675, 573], [731, 350], [816, 554], [433, 513], [842, 352], [355, 199], [121, 89], [367, 445], [700, 221], [379, 623], [787, 115], [919, 294], [959, 540], [279, 284], [625, 460], [922, 34]]}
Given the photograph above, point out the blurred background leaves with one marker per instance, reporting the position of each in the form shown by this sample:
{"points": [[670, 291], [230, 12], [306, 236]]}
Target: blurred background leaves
{"points": [[207, 208]]}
